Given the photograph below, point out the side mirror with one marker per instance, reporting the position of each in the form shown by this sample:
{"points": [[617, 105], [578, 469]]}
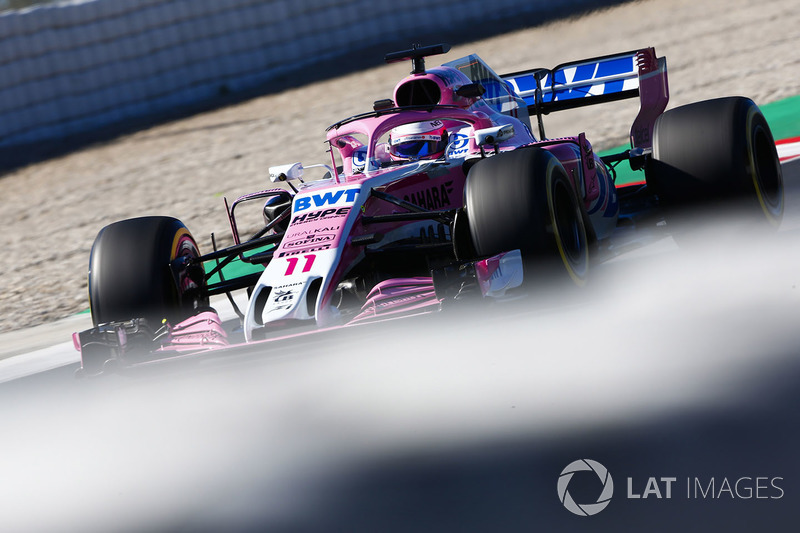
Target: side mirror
{"points": [[494, 135], [293, 171], [471, 90]]}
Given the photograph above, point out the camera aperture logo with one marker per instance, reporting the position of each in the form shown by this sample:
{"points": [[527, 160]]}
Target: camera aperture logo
{"points": [[585, 509]]}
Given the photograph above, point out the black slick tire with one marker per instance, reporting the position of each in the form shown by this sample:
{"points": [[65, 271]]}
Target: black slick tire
{"points": [[130, 274], [524, 200], [717, 153]]}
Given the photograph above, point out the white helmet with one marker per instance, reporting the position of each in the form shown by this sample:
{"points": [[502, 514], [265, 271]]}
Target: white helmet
{"points": [[418, 140]]}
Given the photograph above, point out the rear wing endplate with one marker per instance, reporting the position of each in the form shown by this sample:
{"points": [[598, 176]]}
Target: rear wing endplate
{"points": [[599, 80]]}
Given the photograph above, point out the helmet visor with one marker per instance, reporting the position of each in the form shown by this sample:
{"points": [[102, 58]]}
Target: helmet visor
{"points": [[415, 149]]}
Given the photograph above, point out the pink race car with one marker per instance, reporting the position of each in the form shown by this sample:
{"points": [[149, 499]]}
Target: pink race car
{"points": [[440, 193]]}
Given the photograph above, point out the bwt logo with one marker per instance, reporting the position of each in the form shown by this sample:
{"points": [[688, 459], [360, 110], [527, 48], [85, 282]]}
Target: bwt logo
{"points": [[459, 144], [585, 509], [347, 196]]}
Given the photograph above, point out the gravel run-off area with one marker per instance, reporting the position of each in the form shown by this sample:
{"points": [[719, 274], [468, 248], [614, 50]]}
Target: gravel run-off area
{"points": [[53, 209]]}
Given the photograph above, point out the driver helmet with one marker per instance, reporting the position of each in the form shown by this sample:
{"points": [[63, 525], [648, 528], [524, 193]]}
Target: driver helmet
{"points": [[419, 140]]}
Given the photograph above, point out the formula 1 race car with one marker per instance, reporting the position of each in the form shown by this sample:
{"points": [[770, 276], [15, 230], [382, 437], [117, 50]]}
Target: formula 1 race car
{"points": [[441, 193]]}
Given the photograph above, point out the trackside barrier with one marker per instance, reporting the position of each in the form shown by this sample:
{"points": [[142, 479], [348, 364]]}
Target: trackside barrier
{"points": [[79, 66]]}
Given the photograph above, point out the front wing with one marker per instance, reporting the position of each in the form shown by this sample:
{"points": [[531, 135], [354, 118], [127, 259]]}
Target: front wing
{"points": [[125, 345]]}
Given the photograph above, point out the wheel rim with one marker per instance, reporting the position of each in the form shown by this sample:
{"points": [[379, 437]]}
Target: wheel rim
{"points": [[767, 175], [570, 233]]}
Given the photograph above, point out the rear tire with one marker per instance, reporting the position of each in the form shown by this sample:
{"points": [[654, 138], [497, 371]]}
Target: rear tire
{"points": [[717, 153], [130, 274], [524, 200]]}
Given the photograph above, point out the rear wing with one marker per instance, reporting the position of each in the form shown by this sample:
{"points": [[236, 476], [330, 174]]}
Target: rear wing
{"points": [[599, 80]]}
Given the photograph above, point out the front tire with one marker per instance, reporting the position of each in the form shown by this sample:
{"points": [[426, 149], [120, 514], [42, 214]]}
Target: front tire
{"points": [[130, 274], [524, 200]]}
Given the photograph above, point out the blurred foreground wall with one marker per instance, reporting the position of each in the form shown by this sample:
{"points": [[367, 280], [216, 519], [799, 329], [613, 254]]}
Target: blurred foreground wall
{"points": [[79, 66]]}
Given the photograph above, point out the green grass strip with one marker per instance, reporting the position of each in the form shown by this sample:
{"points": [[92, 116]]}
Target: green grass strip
{"points": [[237, 268]]}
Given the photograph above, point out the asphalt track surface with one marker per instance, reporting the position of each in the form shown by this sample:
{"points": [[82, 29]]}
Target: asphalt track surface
{"points": [[675, 364]]}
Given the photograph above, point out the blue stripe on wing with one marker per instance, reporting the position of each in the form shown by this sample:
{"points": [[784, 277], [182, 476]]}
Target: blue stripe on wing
{"points": [[616, 66], [581, 91], [585, 72], [524, 83]]}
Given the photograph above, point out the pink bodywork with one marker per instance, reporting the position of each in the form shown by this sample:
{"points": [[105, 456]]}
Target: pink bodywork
{"points": [[200, 332], [375, 127], [434, 186], [653, 97]]}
